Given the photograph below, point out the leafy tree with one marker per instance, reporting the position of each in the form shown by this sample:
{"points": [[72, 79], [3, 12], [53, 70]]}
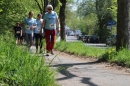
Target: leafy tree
{"points": [[42, 5], [104, 15], [87, 13], [91, 24], [103, 11], [86, 7], [113, 9], [72, 19], [71, 15], [12, 11]]}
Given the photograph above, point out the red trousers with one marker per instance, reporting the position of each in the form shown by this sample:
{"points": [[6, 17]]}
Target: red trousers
{"points": [[50, 36]]}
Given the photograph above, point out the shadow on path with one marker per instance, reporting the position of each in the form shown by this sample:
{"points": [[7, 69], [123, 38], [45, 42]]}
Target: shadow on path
{"points": [[62, 68], [87, 81]]}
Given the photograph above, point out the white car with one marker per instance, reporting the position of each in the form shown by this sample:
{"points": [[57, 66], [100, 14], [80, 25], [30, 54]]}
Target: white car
{"points": [[111, 40], [71, 33], [77, 32]]}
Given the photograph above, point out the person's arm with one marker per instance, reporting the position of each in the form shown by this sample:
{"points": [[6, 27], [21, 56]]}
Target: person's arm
{"points": [[58, 23], [42, 26], [21, 32], [34, 26]]}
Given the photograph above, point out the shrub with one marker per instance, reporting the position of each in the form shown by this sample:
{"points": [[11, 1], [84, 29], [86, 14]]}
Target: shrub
{"points": [[19, 68]]}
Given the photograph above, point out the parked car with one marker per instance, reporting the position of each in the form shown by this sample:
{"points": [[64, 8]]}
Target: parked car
{"points": [[93, 39], [77, 32], [111, 40], [85, 38], [71, 33], [79, 37]]}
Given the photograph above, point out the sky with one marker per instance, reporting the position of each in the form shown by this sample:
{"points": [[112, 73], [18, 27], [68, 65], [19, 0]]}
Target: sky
{"points": [[78, 1]]}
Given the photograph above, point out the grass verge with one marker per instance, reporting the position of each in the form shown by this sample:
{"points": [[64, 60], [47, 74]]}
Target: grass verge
{"points": [[103, 54]]}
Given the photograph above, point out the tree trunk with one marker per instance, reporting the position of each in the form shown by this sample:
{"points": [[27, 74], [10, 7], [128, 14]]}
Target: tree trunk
{"points": [[123, 27], [54, 3], [45, 5], [62, 19]]}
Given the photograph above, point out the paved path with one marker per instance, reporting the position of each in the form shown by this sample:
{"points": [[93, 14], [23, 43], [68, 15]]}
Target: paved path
{"points": [[85, 72]]}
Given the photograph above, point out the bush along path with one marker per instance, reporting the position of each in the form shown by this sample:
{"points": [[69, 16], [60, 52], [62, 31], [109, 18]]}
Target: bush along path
{"points": [[77, 71], [19, 68]]}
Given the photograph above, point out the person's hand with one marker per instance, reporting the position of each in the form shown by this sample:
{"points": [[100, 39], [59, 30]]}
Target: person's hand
{"points": [[58, 29], [43, 35], [31, 28], [20, 36], [40, 32]]}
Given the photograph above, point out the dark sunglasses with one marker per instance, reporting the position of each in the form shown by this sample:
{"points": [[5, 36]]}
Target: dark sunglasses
{"points": [[49, 9]]}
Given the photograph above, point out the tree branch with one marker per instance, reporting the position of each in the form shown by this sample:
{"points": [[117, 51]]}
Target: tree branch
{"points": [[39, 6]]}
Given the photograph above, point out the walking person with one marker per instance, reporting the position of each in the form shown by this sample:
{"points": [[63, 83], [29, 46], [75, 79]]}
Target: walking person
{"points": [[18, 33], [37, 35], [49, 23], [30, 24], [22, 38]]}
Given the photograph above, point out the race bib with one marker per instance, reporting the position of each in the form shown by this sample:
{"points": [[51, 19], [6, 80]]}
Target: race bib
{"points": [[27, 27], [17, 32], [38, 28], [51, 25]]}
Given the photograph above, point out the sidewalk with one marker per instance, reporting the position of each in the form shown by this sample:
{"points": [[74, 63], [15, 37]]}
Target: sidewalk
{"points": [[74, 71]]}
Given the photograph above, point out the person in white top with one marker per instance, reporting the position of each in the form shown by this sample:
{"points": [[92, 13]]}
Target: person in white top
{"points": [[38, 36], [49, 23]]}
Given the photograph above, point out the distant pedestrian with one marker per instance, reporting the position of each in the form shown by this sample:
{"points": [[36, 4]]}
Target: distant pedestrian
{"points": [[17, 32], [37, 35], [22, 38], [49, 24], [30, 24]]}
